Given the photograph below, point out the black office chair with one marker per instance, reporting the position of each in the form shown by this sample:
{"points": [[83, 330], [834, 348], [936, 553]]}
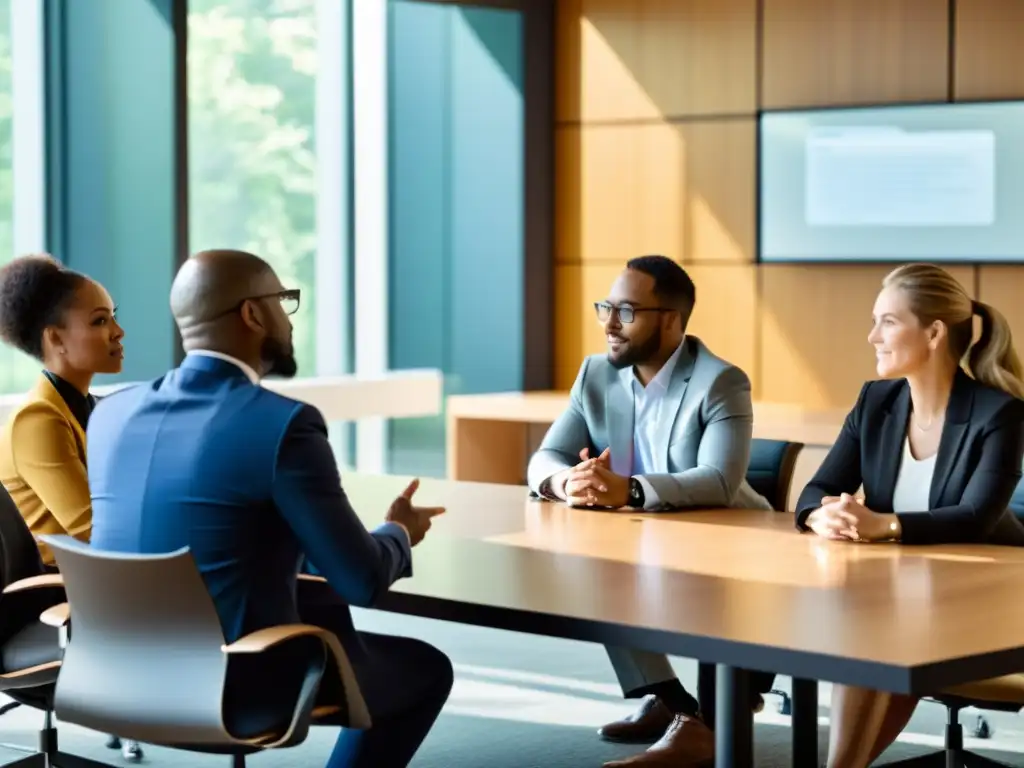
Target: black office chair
{"points": [[30, 650], [770, 473], [1004, 694], [986, 697]]}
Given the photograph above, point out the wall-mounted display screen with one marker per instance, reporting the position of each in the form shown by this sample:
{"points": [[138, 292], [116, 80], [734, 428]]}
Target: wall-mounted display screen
{"points": [[937, 182]]}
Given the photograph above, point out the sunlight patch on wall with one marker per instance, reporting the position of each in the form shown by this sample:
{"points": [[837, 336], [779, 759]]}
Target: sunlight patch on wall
{"points": [[608, 89], [707, 238]]}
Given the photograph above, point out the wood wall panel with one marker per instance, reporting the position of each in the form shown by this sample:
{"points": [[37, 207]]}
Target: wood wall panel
{"points": [[572, 303], [686, 187], [826, 52], [651, 59], [814, 322], [610, 82], [1003, 288], [989, 49], [725, 317], [568, 59], [568, 194], [699, 57], [682, 189]]}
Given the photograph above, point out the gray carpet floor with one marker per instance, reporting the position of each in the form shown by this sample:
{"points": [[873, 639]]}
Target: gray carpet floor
{"points": [[525, 702]]}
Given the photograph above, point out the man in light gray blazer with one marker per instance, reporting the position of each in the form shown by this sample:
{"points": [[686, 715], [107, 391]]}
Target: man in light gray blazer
{"points": [[659, 423]]}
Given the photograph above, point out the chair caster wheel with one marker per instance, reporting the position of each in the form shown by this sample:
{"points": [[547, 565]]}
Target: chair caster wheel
{"points": [[982, 728], [785, 706], [131, 751]]}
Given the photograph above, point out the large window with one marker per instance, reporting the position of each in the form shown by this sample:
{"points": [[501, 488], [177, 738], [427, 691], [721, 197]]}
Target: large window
{"points": [[376, 153], [17, 371], [456, 118], [252, 69], [6, 135]]}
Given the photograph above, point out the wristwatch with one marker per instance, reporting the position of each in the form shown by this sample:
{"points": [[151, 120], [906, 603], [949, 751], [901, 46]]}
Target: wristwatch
{"points": [[895, 532], [636, 493]]}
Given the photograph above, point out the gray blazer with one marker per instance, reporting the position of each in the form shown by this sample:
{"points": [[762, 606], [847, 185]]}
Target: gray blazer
{"points": [[707, 440]]}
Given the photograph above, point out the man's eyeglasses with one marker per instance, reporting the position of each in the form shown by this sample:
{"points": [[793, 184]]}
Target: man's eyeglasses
{"points": [[289, 301], [626, 313]]}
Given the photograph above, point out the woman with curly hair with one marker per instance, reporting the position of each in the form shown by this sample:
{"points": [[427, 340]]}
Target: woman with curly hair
{"points": [[68, 323]]}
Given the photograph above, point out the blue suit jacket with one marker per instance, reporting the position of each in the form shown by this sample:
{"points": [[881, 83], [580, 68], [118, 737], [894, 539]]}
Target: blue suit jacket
{"points": [[246, 479]]}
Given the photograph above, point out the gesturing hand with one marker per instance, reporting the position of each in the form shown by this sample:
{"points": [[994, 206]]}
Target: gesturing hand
{"points": [[416, 520]]}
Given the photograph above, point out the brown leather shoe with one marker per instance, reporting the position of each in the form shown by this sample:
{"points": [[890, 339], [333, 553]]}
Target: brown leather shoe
{"points": [[687, 743], [644, 726]]}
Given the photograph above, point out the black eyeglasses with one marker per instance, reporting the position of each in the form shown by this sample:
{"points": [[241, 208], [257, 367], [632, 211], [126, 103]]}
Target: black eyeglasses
{"points": [[627, 313], [289, 302]]}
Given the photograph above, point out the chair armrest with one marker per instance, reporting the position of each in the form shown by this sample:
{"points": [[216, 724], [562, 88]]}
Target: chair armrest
{"points": [[56, 615], [355, 705], [35, 582], [262, 639]]}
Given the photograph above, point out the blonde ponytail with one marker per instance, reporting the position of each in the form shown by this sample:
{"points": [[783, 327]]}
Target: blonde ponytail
{"points": [[992, 360], [934, 294]]}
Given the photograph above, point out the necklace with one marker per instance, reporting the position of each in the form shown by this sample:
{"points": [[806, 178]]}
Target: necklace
{"points": [[922, 427]]}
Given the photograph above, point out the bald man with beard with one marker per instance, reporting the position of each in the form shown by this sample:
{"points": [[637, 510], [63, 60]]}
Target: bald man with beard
{"points": [[206, 458]]}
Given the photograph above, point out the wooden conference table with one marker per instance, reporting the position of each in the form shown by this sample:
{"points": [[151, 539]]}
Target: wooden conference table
{"points": [[741, 589]]}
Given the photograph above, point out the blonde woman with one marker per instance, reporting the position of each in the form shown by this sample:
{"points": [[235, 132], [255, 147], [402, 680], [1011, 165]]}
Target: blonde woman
{"points": [[937, 446]]}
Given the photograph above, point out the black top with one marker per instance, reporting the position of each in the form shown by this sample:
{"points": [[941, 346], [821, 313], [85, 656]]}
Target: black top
{"points": [[976, 471], [80, 405]]}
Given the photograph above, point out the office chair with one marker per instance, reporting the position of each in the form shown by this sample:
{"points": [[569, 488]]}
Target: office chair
{"points": [[770, 470], [1001, 694], [1004, 694], [770, 473], [148, 622], [30, 650]]}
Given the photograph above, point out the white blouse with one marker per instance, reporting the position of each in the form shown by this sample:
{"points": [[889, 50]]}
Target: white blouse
{"points": [[914, 483]]}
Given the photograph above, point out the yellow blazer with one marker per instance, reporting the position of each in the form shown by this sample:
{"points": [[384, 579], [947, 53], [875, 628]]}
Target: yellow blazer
{"points": [[42, 466]]}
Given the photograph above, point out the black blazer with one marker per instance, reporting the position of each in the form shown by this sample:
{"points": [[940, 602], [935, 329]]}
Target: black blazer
{"points": [[976, 471]]}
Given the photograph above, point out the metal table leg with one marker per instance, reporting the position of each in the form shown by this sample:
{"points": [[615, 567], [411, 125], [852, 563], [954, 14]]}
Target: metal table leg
{"points": [[805, 723], [734, 720], [707, 675]]}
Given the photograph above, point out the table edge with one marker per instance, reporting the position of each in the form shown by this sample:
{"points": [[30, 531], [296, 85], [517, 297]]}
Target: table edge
{"points": [[917, 679]]}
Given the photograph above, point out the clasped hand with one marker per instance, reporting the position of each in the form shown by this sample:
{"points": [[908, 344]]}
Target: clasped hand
{"points": [[591, 483], [845, 517]]}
